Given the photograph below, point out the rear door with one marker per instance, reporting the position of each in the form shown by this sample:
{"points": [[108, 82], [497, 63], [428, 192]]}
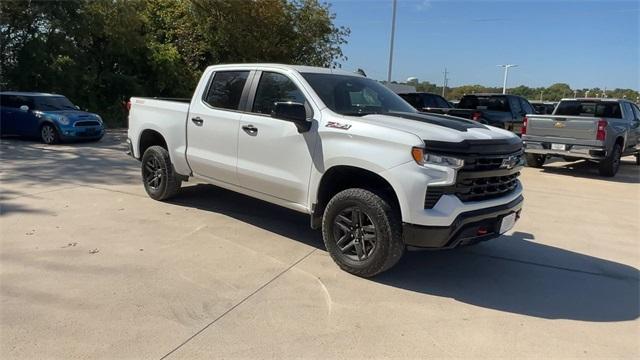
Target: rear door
{"points": [[212, 126]]}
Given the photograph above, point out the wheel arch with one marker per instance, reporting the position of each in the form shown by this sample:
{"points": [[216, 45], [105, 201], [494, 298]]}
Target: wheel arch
{"points": [[342, 177], [148, 138]]}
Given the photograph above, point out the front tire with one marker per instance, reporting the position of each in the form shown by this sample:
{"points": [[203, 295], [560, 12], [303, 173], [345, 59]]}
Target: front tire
{"points": [[362, 232], [49, 134], [160, 179], [610, 165], [535, 160]]}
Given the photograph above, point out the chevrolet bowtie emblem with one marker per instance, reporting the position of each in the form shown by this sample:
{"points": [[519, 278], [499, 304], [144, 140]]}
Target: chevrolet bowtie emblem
{"points": [[509, 163], [559, 124]]}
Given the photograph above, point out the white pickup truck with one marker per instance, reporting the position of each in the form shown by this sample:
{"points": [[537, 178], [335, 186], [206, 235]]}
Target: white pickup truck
{"points": [[372, 172]]}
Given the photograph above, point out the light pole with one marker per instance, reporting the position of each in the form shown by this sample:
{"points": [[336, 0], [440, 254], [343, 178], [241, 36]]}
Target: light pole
{"points": [[446, 81], [393, 34], [586, 93], [506, 73]]}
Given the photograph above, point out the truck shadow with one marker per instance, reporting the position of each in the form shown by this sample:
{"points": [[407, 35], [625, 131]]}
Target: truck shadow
{"points": [[629, 172], [518, 275], [513, 273]]}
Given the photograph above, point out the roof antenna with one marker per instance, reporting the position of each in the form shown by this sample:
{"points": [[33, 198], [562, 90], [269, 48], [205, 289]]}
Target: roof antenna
{"points": [[361, 72]]}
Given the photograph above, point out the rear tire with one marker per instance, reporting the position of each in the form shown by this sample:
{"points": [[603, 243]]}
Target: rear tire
{"points": [[49, 134], [535, 160], [362, 232], [160, 179], [610, 165]]}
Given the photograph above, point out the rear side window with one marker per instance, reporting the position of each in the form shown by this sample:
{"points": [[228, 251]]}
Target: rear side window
{"points": [[412, 99], [628, 111], [273, 88], [515, 105], [226, 88], [15, 101], [527, 107], [494, 103], [589, 108], [434, 101]]}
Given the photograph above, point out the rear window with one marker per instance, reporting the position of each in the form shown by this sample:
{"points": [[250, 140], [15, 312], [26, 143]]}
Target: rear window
{"points": [[589, 108], [494, 103]]}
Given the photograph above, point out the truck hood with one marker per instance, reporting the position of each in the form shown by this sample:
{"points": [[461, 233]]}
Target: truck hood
{"points": [[440, 128]]}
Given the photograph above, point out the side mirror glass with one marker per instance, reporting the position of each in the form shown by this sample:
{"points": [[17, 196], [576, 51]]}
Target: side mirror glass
{"points": [[24, 108], [294, 112]]}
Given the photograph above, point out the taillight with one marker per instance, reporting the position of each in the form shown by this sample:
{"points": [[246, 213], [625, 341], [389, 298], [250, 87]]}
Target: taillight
{"points": [[476, 116], [523, 130], [129, 105], [601, 134]]}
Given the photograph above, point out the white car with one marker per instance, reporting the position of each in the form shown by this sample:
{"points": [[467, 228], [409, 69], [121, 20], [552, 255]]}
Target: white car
{"points": [[376, 175]]}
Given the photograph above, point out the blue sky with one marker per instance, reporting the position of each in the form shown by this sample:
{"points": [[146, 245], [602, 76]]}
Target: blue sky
{"points": [[582, 43]]}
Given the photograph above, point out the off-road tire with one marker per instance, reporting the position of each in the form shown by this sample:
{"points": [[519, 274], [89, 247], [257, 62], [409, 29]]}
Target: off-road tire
{"points": [[49, 134], [535, 160], [389, 246], [156, 160], [610, 165]]}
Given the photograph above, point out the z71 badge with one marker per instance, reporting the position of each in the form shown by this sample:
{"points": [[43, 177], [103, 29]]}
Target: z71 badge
{"points": [[337, 125]]}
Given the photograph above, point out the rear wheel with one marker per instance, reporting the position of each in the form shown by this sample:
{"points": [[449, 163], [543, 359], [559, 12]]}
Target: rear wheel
{"points": [[49, 134], [160, 179], [535, 160], [610, 165], [362, 232]]}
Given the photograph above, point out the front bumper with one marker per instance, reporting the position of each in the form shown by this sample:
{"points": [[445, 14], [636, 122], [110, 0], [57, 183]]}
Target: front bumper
{"points": [[69, 133], [468, 228]]}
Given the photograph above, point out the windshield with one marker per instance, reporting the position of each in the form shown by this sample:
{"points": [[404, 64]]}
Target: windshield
{"points": [[589, 108], [357, 96], [53, 103], [494, 103]]}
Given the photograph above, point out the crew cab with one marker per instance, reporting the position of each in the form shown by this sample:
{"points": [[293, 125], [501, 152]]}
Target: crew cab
{"points": [[503, 111], [600, 130], [375, 175]]}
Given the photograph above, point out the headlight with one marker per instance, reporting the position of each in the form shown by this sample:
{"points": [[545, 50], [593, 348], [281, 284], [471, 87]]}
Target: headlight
{"points": [[423, 158], [63, 120]]}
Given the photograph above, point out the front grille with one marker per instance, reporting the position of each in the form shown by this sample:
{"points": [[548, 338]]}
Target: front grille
{"points": [[87, 123], [482, 177], [484, 188]]}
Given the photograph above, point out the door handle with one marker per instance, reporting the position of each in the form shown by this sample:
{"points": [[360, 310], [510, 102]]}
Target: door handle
{"points": [[197, 120], [250, 129]]}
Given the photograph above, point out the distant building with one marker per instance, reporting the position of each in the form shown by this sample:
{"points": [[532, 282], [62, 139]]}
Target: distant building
{"points": [[401, 88]]}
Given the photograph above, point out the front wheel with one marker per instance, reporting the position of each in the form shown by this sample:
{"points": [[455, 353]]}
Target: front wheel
{"points": [[535, 160], [160, 180], [49, 134], [610, 165], [362, 232]]}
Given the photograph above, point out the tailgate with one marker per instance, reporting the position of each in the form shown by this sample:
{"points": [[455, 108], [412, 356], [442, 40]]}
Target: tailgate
{"points": [[571, 127]]}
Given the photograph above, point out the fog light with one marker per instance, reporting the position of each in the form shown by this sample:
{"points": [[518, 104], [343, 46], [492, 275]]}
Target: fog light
{"points": [[482, 231]]}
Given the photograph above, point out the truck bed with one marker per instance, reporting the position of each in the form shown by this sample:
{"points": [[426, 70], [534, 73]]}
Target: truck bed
{"points": [[167, 117]]}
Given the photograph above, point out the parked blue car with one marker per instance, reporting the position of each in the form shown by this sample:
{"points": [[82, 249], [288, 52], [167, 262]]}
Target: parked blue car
{"points": [[50, 117]]}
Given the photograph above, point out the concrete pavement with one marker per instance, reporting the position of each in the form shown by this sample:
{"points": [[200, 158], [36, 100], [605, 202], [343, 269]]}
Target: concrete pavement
{"points": [[90, 267]]}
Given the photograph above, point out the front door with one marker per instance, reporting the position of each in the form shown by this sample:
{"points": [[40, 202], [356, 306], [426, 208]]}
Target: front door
{"points": [[273, 157], [212, 126]]}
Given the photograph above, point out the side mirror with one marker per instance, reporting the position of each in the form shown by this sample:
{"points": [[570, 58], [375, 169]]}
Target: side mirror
{"points": [[24, 108], [294, 112]]}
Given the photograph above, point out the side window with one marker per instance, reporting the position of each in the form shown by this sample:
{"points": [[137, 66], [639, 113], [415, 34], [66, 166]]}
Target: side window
{"points": [[24, 100], [412, 99], [442, 103], [636, 112], [272, 88], [226, 89], [514, 102], [527, 107], [628, 111], [9, 101]]}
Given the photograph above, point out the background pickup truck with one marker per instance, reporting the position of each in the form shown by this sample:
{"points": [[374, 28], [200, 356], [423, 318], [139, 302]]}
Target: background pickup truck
{"points": [[372, 172], [601, 130], [503, 111]]}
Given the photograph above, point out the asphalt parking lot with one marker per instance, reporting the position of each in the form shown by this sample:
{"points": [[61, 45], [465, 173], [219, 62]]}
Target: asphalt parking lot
{"points": [[93, 268]]}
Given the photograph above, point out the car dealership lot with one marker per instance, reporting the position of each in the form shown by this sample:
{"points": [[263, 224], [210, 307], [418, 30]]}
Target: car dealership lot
{"points": [[90, 267]]}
